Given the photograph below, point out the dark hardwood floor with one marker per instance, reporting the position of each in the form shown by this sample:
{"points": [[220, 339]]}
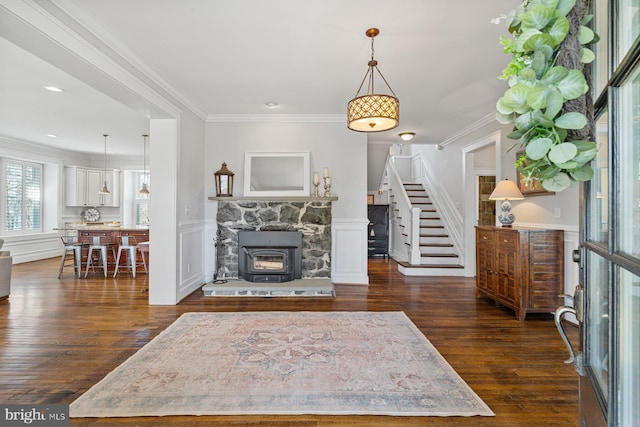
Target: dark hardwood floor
{"points": [[59, 337]]}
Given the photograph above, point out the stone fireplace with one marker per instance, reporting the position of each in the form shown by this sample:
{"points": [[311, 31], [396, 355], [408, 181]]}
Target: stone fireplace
{"points": [[311, 217]]}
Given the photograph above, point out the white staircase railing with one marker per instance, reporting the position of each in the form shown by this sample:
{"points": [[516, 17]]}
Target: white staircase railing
{"points": [[409, 216], [449, 214]]}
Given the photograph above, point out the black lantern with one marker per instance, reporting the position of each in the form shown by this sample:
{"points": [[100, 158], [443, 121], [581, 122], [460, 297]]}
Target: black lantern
{"points": [[224, 182]]}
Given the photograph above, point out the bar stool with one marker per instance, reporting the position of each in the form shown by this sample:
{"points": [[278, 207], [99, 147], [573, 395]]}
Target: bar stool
{"points": [[71, 243], [129, 246], [143, 247], [100, 244]]}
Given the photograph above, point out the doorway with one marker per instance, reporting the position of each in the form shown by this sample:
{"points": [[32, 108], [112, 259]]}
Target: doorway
{"points": [[486, 207]]}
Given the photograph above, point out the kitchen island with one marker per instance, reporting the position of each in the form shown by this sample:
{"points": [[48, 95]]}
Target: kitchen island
{"points": [[110, 233]]}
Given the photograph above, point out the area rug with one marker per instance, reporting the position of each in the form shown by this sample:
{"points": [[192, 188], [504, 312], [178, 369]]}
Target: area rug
{"points": [[360, 363]]}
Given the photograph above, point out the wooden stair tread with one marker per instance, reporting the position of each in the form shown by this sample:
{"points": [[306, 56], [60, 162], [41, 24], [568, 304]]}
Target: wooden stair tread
{"points": [[409, 265], [439, 256]]}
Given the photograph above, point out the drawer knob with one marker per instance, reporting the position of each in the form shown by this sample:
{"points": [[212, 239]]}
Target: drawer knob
{"points": [[484, 237], [506, 241]]}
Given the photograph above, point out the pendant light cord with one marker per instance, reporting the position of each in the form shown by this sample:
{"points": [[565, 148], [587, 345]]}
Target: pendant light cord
{"points": [[373, 64]]}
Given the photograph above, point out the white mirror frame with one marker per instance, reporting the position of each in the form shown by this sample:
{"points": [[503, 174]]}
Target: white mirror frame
{"points": [[302, 186]]}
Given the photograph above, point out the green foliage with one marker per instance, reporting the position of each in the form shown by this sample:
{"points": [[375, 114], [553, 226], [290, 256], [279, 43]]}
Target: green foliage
{"points": [[538, 90]]}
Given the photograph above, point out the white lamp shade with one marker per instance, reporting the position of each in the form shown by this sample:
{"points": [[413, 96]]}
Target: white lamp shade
{"points": [[506, 190]]}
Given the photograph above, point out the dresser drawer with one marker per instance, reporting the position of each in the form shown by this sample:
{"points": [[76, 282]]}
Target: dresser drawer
{"points": [[486, 236], [507, 240]]}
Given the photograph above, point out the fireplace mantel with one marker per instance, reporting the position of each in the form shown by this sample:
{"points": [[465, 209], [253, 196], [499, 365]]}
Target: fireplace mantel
{"points": [[277, 199]]}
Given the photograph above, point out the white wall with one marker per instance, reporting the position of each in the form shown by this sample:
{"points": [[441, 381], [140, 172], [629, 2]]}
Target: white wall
{"points": [[376, 158], [177, 207], [331, 145], [191, 198]]}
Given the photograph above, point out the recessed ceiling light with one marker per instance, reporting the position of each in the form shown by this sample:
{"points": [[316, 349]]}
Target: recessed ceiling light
{"points": [[271, 104], [50, 135], [53, 89]]}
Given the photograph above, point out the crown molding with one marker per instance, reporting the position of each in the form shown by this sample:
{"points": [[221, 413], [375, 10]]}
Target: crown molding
{"points": [[489, 118], [140, 78], [276, 118]]}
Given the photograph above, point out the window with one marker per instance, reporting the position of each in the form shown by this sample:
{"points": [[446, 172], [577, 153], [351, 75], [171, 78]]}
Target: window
{"points": [[141, 200], [22, 196]]}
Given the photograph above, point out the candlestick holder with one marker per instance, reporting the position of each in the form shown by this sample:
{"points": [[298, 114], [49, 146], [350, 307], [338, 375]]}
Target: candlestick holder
{"points": [[327, 186], [316, 191]]}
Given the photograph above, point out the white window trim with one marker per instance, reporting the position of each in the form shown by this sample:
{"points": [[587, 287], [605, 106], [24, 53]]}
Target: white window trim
{"points": [[3, 193]]}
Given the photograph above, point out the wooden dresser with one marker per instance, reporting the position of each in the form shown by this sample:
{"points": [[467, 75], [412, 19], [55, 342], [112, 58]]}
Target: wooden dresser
{"points": [[521, 268]]}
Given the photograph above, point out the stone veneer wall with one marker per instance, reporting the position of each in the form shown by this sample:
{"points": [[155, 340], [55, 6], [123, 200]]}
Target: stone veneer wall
{"points": [[312, 218]]}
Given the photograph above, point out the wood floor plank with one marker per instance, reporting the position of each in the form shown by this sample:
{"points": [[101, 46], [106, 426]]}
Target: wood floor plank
{"points": [[59, 337]]}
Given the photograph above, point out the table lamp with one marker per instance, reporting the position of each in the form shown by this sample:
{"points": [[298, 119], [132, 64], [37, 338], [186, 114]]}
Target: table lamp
{"points": [[506, 190]]}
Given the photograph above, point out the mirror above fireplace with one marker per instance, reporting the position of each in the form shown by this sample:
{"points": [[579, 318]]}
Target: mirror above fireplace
{"points": [[276, 174]]}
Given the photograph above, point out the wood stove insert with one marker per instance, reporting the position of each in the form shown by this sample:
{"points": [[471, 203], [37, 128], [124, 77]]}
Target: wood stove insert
{"points": [[270, 256]]}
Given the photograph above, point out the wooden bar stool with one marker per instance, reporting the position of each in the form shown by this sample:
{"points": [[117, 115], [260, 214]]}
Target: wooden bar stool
{"points": [[99, 244], [128, 245]]}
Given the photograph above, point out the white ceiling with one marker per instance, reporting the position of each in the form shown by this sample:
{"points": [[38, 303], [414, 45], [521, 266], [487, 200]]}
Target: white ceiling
{"points": [[441, 59]]}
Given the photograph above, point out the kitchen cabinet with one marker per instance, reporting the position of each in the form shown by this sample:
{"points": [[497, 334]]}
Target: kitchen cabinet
{"points": [[83, 185], [521, 268]]}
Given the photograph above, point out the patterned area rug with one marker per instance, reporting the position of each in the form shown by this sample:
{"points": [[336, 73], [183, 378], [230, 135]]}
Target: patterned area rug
{"points": [[374, 363]]}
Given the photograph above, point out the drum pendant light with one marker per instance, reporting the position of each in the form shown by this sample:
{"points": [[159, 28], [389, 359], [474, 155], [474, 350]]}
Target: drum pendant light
{"points": [[373, 112]]}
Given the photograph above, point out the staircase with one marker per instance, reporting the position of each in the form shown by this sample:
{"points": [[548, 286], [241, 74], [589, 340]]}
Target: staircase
{"points": [[438, 256]]}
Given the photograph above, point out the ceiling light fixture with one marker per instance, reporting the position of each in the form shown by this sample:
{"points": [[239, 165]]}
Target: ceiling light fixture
{"points": [[271, 104], [50, 135], [144, 190], [407, 136], [105, 189], [53, 89], [373, 112]]}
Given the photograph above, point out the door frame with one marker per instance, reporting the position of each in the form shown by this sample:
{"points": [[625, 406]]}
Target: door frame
{"points": [[469, 190]]}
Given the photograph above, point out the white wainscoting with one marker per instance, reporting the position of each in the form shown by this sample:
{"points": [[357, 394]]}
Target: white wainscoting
{"points": [[191, 238], [349, 251], [571, 269], [33, 247]]}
